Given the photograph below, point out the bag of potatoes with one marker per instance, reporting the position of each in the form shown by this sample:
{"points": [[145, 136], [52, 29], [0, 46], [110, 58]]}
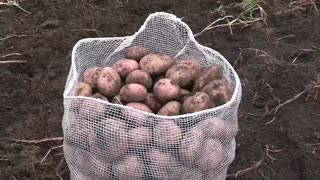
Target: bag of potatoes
{"points": [[154, 105]]}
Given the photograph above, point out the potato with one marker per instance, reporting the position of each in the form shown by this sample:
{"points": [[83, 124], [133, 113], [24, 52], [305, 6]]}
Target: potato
{"points": [[215, 72], [180, 74], [99, 96], [133, 93], [194, 66], [152, 102], [90, 76], [191, 174], [212, 127], [219, 91], [226, 87], [131, 167], [231, 129], [191, 144], [172, 108], [83, 89], [116, 99], [156, 64], [216, 96], [163, 165], [125, 67], [139, 106], [211, 155], [167, 134], [165, 90], [140, 77], [140, 137], [108, 82], [138, 119], [91, 109], [136, 52], [116, 140], [100, 168], [78, 157], [198, 102]]}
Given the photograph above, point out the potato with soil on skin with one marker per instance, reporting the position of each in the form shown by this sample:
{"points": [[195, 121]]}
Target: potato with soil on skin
{"points": [[191, 144], [125, 67], [83, 89], [194, 66], [140, 77], [171, 108], [163, 165], [212, 127], [167, 134], [152, 102], [136, 52], [139, 106], [211, 155], [140, 137], [180, 74], [133, 93], [130, 168], [99, 96], [108, 82], [215, 72], [156, 64], [220, 91], [165, 90], [90, 76], [198, 102]]}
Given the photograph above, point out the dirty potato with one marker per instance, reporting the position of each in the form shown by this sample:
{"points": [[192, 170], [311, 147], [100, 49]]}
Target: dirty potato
{"points": [[156, 64], [215, 72], [108, 82], [125, 66], [180, 74], [83, 89], [140, 77], [198, 102], [194, 66], [166, 91], [152, 102], [133, 93], [136, 52], [90, 76], [172, 108]]}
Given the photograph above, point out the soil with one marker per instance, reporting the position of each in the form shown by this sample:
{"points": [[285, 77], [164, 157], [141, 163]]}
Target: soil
{"points": [[266, 56]]}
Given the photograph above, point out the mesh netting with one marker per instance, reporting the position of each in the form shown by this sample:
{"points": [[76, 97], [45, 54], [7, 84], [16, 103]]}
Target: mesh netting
{"points": [[111, 141]]}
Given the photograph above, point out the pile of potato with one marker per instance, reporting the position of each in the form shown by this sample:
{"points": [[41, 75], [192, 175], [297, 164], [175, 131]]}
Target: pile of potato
{"points": [[157, 83], [165, 150], [133, 146]]}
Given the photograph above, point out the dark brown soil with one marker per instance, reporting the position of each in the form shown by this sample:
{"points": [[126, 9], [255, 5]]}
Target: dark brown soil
{"points": [[31, 101]]}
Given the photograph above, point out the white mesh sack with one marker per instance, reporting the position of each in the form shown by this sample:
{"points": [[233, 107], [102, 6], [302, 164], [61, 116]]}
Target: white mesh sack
{"points": [[111, 141]]}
